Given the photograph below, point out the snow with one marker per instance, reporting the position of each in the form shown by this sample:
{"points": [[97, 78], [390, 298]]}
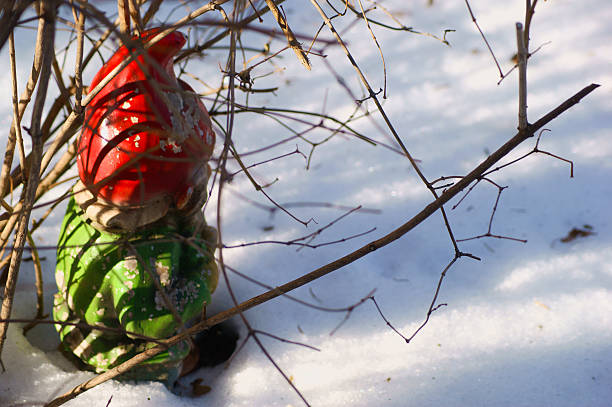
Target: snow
{"points": [[529, 325]]}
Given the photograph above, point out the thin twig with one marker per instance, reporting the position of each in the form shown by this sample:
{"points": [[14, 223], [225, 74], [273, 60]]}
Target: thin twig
{"points": [[278, 338], [500, 189], [151, 11], [301, 245], [40, 305], [296, 151], [382, 57], [16, 115], [135, 16], [123, 8], [529, 12], [536, 149], [78, 69], [432, 307], [387, 321], [522, 68], [291, 40], [501, 73], [295, 299]]}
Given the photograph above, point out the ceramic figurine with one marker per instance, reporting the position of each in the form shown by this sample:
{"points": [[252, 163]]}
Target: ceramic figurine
{"points": [[135, 222]]}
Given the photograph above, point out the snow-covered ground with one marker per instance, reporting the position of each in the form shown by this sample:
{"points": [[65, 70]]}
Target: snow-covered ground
{"points": [[529, 325]]}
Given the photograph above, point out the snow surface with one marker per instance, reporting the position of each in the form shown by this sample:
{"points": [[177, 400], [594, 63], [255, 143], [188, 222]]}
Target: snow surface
{"points": [[529, 325]]}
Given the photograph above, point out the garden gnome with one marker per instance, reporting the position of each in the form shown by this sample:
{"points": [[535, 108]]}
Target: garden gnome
{"points": [[135, 256]]}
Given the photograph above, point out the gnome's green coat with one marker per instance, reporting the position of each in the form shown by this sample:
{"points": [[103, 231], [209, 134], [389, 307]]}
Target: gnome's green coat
{"points": [[106, 280]]}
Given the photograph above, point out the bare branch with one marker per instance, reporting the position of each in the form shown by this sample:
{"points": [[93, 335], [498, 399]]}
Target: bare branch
{"points": [[45, 40], [343, 261]]}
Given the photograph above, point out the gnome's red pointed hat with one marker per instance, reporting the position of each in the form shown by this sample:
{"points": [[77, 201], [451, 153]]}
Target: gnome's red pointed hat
{"points": [[146, 136]]}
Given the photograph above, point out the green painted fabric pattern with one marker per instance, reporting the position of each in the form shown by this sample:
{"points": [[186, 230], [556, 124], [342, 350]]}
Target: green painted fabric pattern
{"points": [[103, 282]]}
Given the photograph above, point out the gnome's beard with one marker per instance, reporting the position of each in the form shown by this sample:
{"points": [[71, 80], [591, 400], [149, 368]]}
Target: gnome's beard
{"points": [[108, 217]]}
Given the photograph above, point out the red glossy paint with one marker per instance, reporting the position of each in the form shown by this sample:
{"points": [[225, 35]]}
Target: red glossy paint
{"points": [[146, 134]]}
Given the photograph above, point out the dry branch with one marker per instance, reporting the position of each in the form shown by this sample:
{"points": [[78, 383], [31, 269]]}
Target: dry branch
{"points": [[343, 261], [45, 42]]}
